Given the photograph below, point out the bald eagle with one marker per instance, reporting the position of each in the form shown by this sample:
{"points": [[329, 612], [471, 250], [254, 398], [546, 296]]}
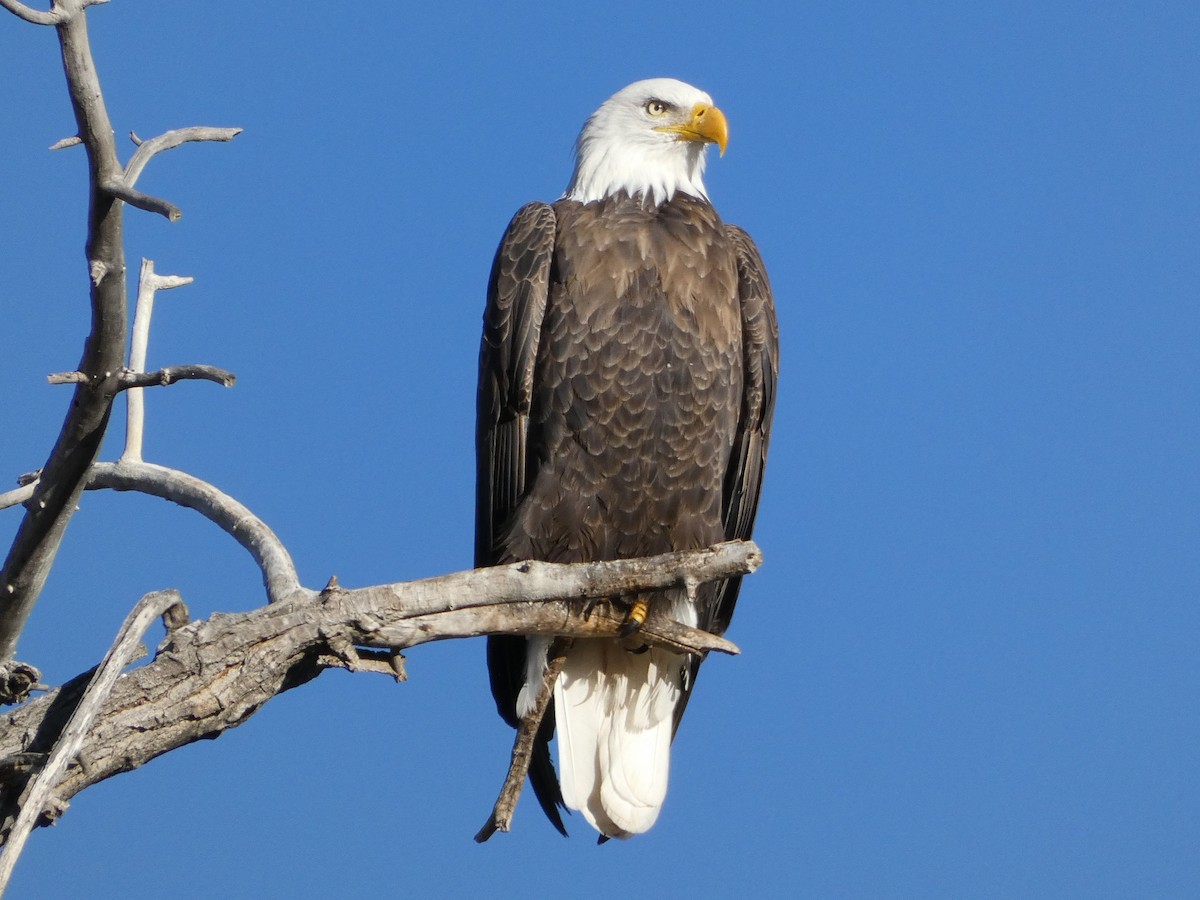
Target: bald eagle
{"points": [[626, 388]]}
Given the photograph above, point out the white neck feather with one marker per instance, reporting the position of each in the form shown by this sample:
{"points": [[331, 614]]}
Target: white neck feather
{"points": [[654, 172]]}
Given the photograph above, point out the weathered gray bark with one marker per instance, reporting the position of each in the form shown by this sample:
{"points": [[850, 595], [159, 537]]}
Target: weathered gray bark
{"points": [[211, 675], [41, 531]]}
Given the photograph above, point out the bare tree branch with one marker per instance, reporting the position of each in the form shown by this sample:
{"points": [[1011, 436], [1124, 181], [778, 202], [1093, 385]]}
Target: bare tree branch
{"points": [[522, 753], [279, 572], [131, 195], [534, 581], [169, 141], [128, 380], [123, 187], [211, 675], [62, 479], [139, 345], [38, 792], [170, 374], [35, 16], [149, 284], [41, 531]]}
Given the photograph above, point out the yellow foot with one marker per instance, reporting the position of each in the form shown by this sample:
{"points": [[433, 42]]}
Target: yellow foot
{"points": [[635, 617]]}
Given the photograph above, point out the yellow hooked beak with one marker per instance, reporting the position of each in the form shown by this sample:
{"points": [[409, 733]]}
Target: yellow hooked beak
{"points": [[707, 125]]}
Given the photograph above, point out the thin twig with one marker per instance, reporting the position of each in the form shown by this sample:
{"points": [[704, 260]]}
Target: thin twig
{"points": [[168, 375], [138, 346], [126, 380], [72, 141], [149, 283], [118, 188], [344, 655], [38, 792], [522, 753]]}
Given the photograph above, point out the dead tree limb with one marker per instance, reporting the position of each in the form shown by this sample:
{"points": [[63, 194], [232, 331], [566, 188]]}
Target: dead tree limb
{"points": [[149, 284], [128, 380], [522, 753], [34, 16], [209, 676], [146, 150], [122, 190], [62, 479], [38, 796], [279, 571], [41, 531]]}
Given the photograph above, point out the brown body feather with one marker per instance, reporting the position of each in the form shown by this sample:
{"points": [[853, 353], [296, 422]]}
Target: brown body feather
{"points": [[627, 381]]}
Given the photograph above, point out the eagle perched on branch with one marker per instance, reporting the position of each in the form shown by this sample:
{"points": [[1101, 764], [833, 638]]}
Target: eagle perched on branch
{"points": [[626, 387]]}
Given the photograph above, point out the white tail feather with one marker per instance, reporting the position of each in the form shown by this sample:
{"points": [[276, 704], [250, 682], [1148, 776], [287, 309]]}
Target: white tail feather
{"points": [[614, 710]]}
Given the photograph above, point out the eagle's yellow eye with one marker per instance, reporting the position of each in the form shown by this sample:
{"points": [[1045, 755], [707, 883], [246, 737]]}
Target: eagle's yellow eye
{"points": [[656, 107]]}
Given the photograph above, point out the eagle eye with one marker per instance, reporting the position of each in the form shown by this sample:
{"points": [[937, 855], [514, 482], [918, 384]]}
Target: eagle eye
{"points": [[657, 107]]}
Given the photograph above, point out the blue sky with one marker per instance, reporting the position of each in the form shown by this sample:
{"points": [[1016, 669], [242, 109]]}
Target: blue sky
{"points": [[970, 663]]}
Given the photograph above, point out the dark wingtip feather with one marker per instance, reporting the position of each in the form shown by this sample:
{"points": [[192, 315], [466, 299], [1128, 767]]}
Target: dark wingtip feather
{"points": [[545, 780]]}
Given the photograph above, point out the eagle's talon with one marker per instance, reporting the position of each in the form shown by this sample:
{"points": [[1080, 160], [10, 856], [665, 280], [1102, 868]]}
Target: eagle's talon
{"points": [[635, 618]]}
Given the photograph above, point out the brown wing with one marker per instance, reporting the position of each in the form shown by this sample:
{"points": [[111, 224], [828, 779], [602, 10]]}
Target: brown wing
{"points": [[512, 325], [743, 477], [760, 360]]}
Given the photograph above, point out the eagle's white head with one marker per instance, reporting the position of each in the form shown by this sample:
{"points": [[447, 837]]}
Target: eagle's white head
{"points": [[648, 139]]}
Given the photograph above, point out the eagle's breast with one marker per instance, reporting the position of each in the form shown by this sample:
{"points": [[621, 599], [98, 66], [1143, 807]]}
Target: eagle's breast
{"points": [[639, 380]]}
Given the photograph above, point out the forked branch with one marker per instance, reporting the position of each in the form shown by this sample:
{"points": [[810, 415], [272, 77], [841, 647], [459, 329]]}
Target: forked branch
{"points": [[146, 150]]}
